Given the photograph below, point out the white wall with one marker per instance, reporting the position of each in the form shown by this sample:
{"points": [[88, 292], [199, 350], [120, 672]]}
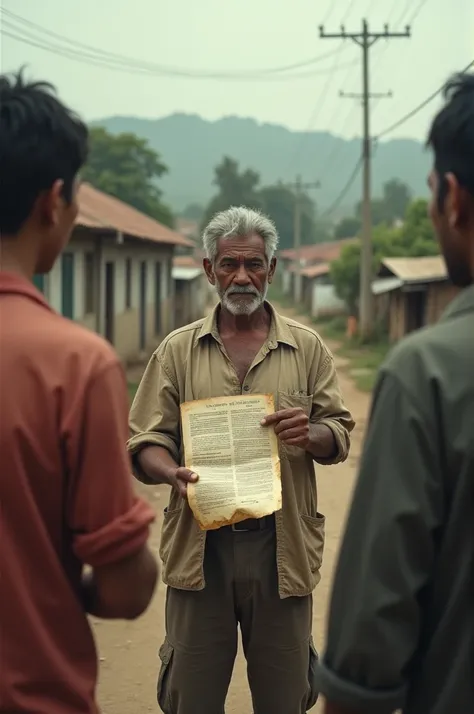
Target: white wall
{"points": [[325, 300], [111, 253]]}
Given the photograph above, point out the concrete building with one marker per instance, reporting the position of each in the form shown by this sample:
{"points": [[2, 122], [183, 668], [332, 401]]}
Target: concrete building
{"points": [[292, 263], [115, 276], [191, 288], [318, 292], [411, 293]]}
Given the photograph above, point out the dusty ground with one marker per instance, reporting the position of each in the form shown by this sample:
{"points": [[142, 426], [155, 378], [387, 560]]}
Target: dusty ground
{"points": [[128, 651]]}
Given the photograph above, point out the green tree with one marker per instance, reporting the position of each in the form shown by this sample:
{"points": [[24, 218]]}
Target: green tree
{"points": [[235, 188], [396, 197], [278, 202], [415, 238], [378, 211], [347, 228], [125, 166], [391, 207]]}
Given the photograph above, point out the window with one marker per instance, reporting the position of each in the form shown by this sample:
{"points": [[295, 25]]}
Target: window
{"points": [[128, 283], [38, 282], [89, 284]]}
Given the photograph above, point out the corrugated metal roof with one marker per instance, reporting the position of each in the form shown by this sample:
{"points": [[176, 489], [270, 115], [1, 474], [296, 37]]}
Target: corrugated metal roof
{"points": [[314, 271], [386, 285], [415, 270], [99, 210], [185, 273], [326, 252]]}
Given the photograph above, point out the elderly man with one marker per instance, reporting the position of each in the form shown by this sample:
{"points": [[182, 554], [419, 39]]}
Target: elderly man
{"points": [[258, 574]]}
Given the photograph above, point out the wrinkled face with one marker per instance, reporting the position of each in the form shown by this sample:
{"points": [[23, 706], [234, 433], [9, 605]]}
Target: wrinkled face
{"points": [[56, 218], [241, 273], [450, 218]]}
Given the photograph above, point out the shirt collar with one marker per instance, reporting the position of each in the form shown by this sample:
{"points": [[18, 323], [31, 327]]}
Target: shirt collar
{"points": [[279, 330], [15, 284], [464, 302]]}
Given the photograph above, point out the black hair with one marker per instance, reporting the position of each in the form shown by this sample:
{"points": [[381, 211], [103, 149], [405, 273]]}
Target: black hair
{"points": [[41, 141], [452, 135]]}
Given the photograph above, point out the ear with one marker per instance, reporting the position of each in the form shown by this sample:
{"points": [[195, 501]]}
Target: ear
{"points": [[271, 270], [208, 269], [457, 203], [51, 203], [453, 203]]}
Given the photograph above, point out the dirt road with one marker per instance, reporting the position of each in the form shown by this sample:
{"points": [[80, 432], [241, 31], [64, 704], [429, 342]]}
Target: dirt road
{"points": [[128, 651]]}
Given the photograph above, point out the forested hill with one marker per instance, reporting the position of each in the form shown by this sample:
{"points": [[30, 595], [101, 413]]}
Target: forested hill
{"points": [[191, 147]]}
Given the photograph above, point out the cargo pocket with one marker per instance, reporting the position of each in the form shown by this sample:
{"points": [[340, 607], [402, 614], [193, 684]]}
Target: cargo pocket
{"points": [[168, 529], [313, 693], [313, 537], [162, 688]]}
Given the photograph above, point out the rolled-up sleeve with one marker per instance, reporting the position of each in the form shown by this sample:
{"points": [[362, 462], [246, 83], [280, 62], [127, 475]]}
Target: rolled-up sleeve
{"points": [[386, 557], [107, 521], [328, 408], [155, 416]]}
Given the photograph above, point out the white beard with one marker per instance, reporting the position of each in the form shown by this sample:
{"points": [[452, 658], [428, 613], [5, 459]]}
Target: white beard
{"points": [[243, 306]]}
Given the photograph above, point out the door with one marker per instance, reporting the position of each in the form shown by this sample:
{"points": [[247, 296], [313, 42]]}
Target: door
{"points": [[67, 285], [109, 326], [143, 290], [416, 307], [157, 298]]}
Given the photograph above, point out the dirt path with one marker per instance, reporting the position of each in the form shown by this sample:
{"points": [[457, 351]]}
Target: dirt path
{"points": [[128, 651]]}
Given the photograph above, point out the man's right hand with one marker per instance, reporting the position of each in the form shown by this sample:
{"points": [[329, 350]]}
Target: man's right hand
{"points": [[180, 478], [160, 467]]}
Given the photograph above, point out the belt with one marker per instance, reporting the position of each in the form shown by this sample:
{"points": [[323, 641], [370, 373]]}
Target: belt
{"points": [[252, 524]]}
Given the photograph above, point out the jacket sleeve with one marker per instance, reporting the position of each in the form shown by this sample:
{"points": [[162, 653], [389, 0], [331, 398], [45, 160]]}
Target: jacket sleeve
{"points": [[386, 556]]}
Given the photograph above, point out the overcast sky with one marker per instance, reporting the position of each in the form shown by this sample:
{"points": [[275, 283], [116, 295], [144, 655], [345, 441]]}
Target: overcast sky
{"points": [[240, 36]]}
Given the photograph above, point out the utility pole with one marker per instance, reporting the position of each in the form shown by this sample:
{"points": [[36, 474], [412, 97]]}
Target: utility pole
{"points": [[365, 39], [298, 187]]}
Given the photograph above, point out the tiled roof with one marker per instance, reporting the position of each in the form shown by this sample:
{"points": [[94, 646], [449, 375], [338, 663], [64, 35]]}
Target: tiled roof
{"points": [[314, 271], [186, 261], [99, 210], [326, 252]]}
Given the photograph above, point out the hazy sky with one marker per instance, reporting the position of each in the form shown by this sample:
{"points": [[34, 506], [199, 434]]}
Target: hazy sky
{"points": [[239, 36]]}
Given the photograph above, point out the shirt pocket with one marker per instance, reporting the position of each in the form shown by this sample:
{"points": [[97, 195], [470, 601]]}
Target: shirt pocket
{"points": [[287, 400]]}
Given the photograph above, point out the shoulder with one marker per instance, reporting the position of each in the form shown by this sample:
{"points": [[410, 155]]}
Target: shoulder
{"points": [[182, 336], [80, 353], [305, 337]]}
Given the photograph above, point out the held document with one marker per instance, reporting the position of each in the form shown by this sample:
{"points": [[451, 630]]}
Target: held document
{"points": [[235, 458]]}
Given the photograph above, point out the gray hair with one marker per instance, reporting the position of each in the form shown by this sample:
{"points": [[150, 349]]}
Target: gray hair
{"points": [[239, 222]]}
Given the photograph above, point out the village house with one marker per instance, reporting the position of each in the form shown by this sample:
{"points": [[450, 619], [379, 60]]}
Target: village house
{"points": [[317, 292], [296, 283], [192, 289], [115, 275], [410, 293]]}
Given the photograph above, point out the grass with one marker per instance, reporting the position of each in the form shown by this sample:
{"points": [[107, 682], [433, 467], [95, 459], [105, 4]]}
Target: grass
{"points": [[364, 359], [132, 390]]}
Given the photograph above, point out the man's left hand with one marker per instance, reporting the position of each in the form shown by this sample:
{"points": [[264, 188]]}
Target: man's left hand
{"points": [[291, 426]]}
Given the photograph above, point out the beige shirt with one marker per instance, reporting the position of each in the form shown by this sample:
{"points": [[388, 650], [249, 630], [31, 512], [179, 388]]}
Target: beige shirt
{"points": [[294, 365]]}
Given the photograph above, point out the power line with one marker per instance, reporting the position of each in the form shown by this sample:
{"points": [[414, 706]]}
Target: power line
{"points": [[321, 97], [417, 109], [335, 205], [83, 58], [366, 39], [419, 8], [97, 53]]}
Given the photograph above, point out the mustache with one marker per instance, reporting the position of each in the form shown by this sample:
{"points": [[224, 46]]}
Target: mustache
{"points": [[243, 290]]}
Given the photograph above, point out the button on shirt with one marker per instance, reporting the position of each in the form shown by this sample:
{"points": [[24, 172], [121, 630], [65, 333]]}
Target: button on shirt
{"points": [[299, 370], [401, 625]]}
